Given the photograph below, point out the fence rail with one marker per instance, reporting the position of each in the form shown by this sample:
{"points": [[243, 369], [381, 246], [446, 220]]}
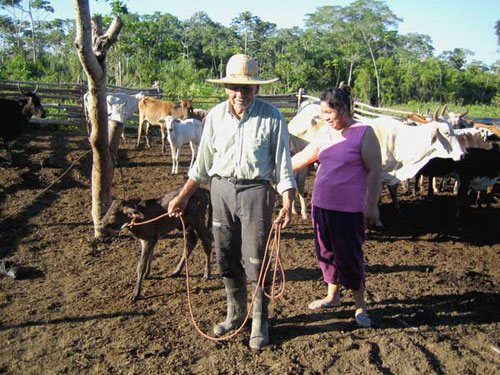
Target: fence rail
{"points": [[63, 102]]}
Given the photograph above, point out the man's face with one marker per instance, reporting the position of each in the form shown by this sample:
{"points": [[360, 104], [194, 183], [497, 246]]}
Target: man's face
{"points": [[241, 96]]}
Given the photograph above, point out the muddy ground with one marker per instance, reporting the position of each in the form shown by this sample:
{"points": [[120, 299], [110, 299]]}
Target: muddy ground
{"points": [[433, 292]]}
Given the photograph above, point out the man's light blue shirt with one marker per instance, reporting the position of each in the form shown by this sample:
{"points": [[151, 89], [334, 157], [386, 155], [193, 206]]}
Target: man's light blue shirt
{"points": [[255, 147]]}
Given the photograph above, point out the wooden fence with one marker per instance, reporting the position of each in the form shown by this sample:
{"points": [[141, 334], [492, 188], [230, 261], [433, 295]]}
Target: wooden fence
{"points": [[63, 102]]}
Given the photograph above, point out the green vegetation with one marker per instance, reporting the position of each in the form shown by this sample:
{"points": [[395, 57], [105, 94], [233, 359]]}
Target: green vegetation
{"points": [[358, 44], [474, 110]]}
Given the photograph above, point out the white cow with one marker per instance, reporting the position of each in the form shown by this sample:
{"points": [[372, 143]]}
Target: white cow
{"points": [[121, 106], [405, 149], [303, 129], [180, 132]]}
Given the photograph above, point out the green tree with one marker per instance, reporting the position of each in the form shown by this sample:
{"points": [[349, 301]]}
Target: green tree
{"points": [[364, 22], [26, 28], [456, 58]]}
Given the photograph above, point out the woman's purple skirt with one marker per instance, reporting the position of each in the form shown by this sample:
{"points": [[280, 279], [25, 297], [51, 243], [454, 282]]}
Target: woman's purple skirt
{"points": [[339, 237]]}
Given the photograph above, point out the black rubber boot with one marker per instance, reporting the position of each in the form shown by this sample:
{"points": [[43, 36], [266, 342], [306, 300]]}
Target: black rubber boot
{"points": [[259, 337], [236, 291]]}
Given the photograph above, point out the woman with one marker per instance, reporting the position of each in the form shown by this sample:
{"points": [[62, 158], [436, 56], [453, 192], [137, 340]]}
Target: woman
{"points": [[345, 197]]}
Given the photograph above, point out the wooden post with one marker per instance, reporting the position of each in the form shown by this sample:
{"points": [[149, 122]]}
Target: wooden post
{"points": [[299, 97]]}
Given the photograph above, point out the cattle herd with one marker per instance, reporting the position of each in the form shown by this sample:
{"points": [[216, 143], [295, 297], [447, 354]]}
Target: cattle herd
{"points": [[444, 144]]}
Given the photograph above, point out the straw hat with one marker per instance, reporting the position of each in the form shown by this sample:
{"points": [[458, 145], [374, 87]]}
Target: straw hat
{"points": [[242, 70]]}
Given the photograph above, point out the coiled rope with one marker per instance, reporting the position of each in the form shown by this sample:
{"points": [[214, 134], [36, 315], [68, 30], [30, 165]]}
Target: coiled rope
{"points": [[272, 249]]}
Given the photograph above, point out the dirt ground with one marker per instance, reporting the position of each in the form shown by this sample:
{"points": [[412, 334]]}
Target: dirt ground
{"points": [[433, 291]]}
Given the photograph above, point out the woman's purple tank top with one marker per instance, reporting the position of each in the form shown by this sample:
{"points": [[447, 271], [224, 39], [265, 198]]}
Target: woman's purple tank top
{"points": [[340, 183]]}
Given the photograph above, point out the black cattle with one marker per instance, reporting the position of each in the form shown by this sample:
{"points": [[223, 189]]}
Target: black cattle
{"points": [[476, 162], [17, 115]]}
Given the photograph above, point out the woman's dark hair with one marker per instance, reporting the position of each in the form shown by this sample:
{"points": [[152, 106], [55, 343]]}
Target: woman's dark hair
{"points": [[338, 98]]}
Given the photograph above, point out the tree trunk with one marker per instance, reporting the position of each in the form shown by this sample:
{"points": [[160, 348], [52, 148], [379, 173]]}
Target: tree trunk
{"points": [[33, 38], [377, 76], [92, 46]]}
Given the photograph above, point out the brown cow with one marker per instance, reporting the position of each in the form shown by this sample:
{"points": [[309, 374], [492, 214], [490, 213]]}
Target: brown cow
{"points": [[122, 212], [153, 110]]}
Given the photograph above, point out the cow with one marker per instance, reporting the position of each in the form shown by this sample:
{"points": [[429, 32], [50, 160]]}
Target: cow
{"points": [[477, 162], [153, 110], [122, 213], [405, 149], [199, 114], [478, 169], [121, 106], [18, 114], [303, 129], [457, 120], [179, 133], [468, 138]]}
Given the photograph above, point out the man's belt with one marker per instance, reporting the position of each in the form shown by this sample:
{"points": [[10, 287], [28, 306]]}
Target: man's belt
{"points": [[241, 181]]}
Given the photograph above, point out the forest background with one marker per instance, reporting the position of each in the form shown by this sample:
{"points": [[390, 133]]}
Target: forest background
{"points": [[358, 44]]}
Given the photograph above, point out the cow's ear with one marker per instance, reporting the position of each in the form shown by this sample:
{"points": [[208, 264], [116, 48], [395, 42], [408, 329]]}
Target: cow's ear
{"points": [[434, 135], [132, 213]]}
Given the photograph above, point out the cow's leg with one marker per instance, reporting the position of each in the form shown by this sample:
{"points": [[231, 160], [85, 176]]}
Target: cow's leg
{"points": [[177, 153], [303, 206], [146, 251], [300, 177], [463, 188], [430, 186], [139, 130], [114, 130], [162, 130], [421, 183], [191, 242], [193, 153], [148, 128], [393, 190], [435, 187], [173, 151], [149, 260], [206, 240], [406, 186], [416, 185], [8, 145]]}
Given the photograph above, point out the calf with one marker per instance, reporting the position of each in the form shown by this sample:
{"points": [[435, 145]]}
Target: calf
{"points": [[153, 110], [181, 132], [18, 114], [121, 212]]}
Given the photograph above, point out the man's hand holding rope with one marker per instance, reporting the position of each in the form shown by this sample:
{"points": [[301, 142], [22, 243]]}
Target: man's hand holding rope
{"points": [[285, 214]]}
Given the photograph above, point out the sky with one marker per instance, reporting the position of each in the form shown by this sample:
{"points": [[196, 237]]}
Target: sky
{"points": [[451, 24]]}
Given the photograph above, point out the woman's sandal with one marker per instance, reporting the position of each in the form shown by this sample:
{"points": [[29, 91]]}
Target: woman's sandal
{"points": [[363, 320], [321, 304]]}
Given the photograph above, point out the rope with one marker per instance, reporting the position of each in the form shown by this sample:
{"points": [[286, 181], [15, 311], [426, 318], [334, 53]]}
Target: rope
{"points": [[276, 229], [266, 264], [44, 190]]}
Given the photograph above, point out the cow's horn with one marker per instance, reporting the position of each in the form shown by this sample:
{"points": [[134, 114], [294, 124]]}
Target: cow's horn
{"points": [[435, 115], [463, 113], [36, 89], [444, 110]]}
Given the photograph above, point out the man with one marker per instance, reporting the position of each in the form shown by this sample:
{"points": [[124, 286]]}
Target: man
{"points": [[244, 147]]}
